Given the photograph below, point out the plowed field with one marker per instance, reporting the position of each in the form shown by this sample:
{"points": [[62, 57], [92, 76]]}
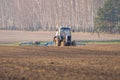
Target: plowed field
{"points": [[90, 62]]}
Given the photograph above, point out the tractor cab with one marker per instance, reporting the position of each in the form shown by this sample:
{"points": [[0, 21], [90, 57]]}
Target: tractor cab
{"points": [[64, 37], [65, 32]]}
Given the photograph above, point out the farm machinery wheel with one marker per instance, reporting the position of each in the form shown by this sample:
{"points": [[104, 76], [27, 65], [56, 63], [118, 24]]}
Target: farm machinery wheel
{"points": [[73, 43], [57, 42], [63, 43]]}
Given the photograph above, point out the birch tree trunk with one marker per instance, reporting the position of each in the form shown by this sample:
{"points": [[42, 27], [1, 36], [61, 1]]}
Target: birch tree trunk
{"points": [[48, 14]]}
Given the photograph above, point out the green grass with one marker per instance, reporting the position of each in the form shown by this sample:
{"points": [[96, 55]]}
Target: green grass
{"points": [[14, 44], [98, 42], [80, 42]]}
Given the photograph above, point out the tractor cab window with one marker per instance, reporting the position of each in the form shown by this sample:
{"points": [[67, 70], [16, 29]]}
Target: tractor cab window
{"points": [[65, 32]]}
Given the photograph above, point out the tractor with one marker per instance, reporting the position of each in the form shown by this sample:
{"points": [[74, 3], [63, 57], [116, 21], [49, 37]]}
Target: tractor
{"points": [[63, 37]]}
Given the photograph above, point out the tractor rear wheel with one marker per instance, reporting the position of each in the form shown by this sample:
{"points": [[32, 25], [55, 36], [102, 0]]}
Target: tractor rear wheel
{"points": [[63, 43], [73, 43], [57, 42]]}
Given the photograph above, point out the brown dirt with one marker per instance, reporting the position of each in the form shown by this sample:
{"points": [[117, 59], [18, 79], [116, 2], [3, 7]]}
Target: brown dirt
{"points": [[23, 36], [90, 62]]}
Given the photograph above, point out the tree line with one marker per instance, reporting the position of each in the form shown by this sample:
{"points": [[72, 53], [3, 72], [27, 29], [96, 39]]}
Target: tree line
{"points": [[33, 15]]}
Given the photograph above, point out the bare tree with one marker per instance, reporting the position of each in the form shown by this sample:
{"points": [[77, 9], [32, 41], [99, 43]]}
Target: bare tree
{"points": [[48, 14]]}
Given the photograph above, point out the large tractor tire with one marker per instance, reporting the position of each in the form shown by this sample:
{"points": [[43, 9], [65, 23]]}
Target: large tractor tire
{"points": [[73, 43], [63, 43], [57, 42]]}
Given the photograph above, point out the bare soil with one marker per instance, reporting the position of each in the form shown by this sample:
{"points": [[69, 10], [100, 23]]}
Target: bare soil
{"points": [[90, 62], [25, 36]]}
